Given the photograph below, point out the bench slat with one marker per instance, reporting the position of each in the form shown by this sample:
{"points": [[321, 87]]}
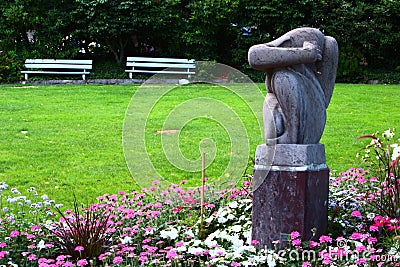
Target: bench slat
{"points": [[56, 66], [50, 66], [160, 65], [155, 59], [161, 71], [169, 65], [62, 61], [53, 72]]}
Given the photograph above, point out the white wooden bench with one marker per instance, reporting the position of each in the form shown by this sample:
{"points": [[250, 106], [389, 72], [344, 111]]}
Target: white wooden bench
{"points": [[160, 65], [57, 66]]}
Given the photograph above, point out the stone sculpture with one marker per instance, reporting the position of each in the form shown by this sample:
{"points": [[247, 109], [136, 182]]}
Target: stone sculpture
{"points": [[301, 71]]}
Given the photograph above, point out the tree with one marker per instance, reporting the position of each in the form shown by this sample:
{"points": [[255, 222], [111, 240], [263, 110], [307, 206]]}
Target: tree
{"points": [[114, 23]]}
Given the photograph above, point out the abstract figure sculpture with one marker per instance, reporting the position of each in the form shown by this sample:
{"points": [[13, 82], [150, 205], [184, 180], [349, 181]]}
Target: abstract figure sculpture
{"points": [[301, 71]]}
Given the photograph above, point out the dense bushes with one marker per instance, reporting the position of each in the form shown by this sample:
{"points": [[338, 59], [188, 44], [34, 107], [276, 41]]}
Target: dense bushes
{"points": [[222, 31]]}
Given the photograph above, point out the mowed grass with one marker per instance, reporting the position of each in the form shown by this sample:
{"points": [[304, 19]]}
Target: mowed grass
{"points": [[67, 139]]}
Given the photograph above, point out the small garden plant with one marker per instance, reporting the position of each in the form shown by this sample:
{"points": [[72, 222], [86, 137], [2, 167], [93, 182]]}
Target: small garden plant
{"points": [[168, 227]]}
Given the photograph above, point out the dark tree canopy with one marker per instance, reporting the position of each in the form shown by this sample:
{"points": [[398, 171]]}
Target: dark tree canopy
{"points": [[219, 30]]}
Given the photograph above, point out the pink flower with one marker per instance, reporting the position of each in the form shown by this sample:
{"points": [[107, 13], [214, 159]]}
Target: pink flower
{"points": [[356, 213], [296, 242], [68, 264], [155, 182], [372, 240], [42, 260], [255, 242], [361, 261], [118, 260], [3, 244], [235, 264], [180, 244], [35, 227], [356, 236], [360, 248], [374, 228], [326, 261], [294, 235], [30, 236], [81, 263], [325, 239], [142, 259], [306, 264], [61, 258], [313, 244], [79, 248], [32, 257], [14, 234], [3, 253], [171, 254]]}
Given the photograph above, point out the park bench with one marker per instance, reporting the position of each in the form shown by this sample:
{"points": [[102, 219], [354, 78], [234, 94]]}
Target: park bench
{"points": [[57, 66], [160, 65]]}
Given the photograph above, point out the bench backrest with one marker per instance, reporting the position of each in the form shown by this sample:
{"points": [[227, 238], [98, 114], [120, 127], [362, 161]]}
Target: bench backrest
{"points": [[150, 62], [58, 64]]}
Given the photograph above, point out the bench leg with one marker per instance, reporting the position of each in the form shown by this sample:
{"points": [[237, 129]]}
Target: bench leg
{"points": [[83, 76], [26, 76], [130, 75]]}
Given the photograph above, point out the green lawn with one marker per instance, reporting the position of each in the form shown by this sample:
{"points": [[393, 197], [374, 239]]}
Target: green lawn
{"points": [[67, 139]]}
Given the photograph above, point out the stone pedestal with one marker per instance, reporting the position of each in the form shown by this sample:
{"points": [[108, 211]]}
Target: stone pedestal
{"points": [[291, 184]]}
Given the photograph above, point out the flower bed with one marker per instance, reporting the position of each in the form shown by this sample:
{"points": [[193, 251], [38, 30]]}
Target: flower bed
{"points": [[166, 227]]}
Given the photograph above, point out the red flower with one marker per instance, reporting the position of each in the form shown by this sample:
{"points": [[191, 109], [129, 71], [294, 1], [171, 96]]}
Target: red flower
{"points": [[177, 209]]}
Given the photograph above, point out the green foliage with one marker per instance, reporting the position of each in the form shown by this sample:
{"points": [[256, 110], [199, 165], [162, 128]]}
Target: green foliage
{"points": [[107, 69], [85, 232], [382, 156], [222, 31], [9, 67]]}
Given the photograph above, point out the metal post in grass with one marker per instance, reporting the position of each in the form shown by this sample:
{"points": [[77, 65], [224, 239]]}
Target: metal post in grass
{"points": [[291, 177]]}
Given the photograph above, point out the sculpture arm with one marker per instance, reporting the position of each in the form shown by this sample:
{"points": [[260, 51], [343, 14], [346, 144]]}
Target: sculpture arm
{"points": [[265, 57]]}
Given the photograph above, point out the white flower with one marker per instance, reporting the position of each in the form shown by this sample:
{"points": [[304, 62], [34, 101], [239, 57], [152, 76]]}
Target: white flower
{"points": [[210, 242], [11, 200], [189, 233], [195, 250], [230, 217], [236, 228], [41, 244], [45, 197], [370, 216], [388, 134], [233, 205], [209, 219], [271, 261], [396, 151], [218, 252], [181, 249], [196, 243], [3, 186], [221, 217], [126, 240], [223, 235], [172, 233]]}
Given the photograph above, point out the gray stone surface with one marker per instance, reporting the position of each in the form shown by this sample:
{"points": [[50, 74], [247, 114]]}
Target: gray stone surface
{"points": [[293, 155], [301, 71]]}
